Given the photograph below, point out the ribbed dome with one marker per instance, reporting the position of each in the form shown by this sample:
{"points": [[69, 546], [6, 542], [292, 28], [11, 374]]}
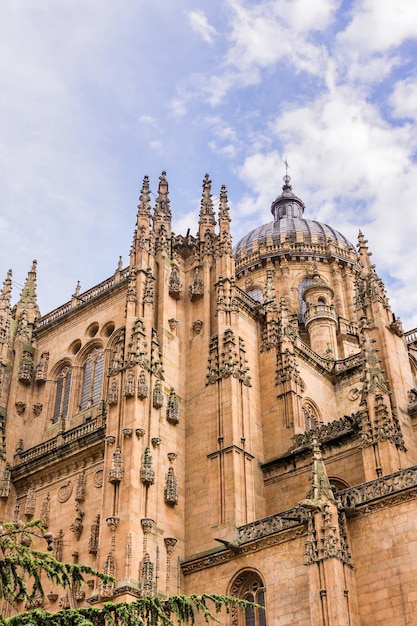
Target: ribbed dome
{"points": [[290, 226]]}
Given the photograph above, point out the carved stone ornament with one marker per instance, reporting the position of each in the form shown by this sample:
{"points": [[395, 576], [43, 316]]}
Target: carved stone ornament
{"points": [[25, 374], [80, 491], [94, 534], [127, 433], [20, 407], [98, 478], [171, 488], [197, 326], [147, 474], [37, 409], [42, 368], [170, 543], [113, 394], [196, 287], [30, 503], [5, 483], [130, 385], [157, 396], [353, 394], [143, 389], [77, 525], [173, 408], [116, 471], [174, 285], [139, 432], [112, 522], [147, 525], [173, 324], [65, 492]]}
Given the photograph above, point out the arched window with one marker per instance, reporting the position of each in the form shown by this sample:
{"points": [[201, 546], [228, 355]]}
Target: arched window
{"points": [[311, 418], [92, 378], [249, 586], [256, 294], [63, 384], [306, 282]]}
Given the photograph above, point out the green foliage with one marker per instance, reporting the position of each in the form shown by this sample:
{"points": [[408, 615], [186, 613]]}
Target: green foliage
{"points": [[147, 611], [22, 567]]}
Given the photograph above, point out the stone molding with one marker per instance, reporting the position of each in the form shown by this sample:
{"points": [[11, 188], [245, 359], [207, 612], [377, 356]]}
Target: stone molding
{"points": [[364, 499]]}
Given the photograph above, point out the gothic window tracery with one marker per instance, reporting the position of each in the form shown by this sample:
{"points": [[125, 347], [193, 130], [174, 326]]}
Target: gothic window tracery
{"points": [[256, 294], [92, 378], [62, 394], [249, 586], [311, 416]]}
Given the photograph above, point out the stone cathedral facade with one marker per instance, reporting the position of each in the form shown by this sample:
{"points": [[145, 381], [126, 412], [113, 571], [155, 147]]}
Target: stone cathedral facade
{"points": [[236, 420]]}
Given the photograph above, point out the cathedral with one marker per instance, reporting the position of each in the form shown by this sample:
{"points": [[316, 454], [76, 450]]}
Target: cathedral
{"points": [[218, 418]]}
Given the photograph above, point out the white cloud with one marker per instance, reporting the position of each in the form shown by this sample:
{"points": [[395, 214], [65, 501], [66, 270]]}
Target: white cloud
{"points": [[403, 100], [200, 24], [377, 26]]}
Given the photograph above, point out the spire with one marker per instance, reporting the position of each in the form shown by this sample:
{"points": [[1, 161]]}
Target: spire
{"points": [[320, 484], [28, 300], [364, 253], [5, 311], [141, 236], [225, 238], [162, 210], [206, 221], [6, 293], [144, 207], [162, 218], [369, 287]]}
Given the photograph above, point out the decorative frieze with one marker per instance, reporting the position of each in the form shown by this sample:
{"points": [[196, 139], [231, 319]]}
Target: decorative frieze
{"points": [[325, 433]]}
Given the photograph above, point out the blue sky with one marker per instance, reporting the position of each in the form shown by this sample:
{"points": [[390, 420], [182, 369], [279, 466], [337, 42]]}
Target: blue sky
{"points": [[96, 94]]}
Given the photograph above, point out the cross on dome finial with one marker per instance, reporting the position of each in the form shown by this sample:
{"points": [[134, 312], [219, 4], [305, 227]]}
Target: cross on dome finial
{"points": [[286, 178]]}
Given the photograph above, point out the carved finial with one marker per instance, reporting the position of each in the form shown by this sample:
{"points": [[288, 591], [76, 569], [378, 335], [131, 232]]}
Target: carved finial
{"points": [[6, 292], [320, 484], [144, 207], [206, 221], [162, 209], [28, 301]]}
